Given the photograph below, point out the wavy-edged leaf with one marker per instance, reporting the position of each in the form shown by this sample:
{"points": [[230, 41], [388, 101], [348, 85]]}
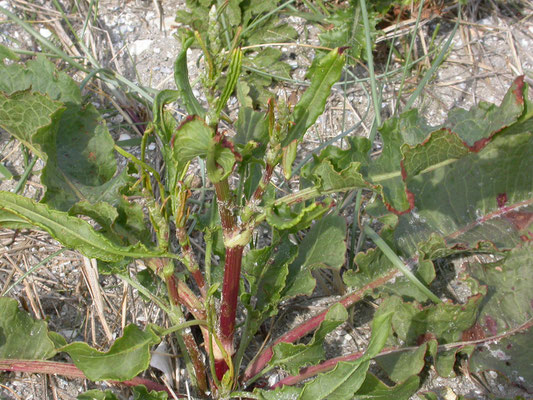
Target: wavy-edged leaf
{"points": [[22, 337], [126, 358], [141, 393], [32, 118], [297, 217], [292, 357], [96, 394], [507, 307], [72, 232], [41, 76], [373, 389], [324, 72], [81, 164]]}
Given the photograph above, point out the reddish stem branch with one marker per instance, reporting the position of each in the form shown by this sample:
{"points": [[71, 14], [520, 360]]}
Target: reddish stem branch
{"points": [[188, 338], [70, 371], [328, 365], [301, 330]]}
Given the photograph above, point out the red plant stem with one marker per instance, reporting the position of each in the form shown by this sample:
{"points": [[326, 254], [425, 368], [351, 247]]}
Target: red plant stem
{"points": [[69, 370], [328, 365], [308, 372], [228, 308], [186, 335], [303, 329]]}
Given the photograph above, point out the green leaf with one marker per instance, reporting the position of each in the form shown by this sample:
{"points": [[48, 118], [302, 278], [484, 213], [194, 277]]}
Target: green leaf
{"points": [[328, 179], [444, 322], [141, 393], [181, 77], [22, 337], [252, 127], [297, 217], [280, 393], [72, 232], [32, 118], [507, 306], [192, 140], [39, 75], [265, 270], [292, 357], [348, 30], [402, 365], [373, 389], [96, 394], [347, 377], [324, 72], [323, 247], [81, 164], [127, 357]]}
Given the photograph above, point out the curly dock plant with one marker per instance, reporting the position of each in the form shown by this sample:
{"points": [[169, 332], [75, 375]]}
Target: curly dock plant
{"points": [[458, 189]]}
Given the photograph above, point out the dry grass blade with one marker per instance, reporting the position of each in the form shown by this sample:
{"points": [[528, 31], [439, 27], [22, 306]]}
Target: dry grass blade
{"points": [[90, 274]]}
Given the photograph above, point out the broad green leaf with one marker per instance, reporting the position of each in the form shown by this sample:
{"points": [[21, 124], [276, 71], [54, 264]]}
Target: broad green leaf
{"points": [[385, 171], [127, 357], [81, 164], [96, 394], [347, 377], [22, 337], [39, 75], [507, 306], [292, 357], [509, 357], [141, 393], [74, 142], [181, 77], [324, 72], [32, 118], [323, 247], [72, 232], [373, 389], [402, 365], [192, 139], [445, 321], [454, 183]]}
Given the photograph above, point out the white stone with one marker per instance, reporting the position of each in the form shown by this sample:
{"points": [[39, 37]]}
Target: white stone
{"points": [[140, 46], [124, 136], [45, 32]]}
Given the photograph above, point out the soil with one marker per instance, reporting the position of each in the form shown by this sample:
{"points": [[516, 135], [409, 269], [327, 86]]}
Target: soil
{"points": [[136, 38]]}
